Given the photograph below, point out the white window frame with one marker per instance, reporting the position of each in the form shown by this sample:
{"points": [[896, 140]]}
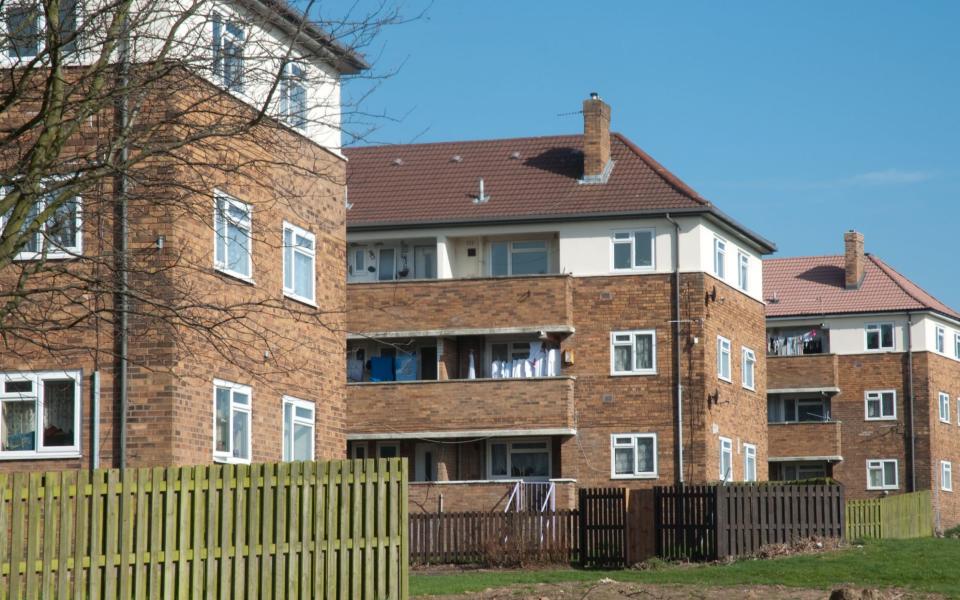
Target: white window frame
{"points": [[743, 271], [394, 445], [749, 453], [288, 426], [219, 56], [243, 223], [511, 251], [355, 450], [45, 249], [290, 80], [290, 290], [720, 257], [7, 60], [940, 339], [726, 447], [748, 356], [633, 351], [37, 378], [509, 443], [235, 407], [946, 476], [724, 347], [878, 327], [634, 438], [878, 463], [632, 242], [956, 345], [877, 396], [943, 402]]}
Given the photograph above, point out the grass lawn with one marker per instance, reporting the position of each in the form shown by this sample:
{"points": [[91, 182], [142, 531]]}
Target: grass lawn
{"points": [[922, 565]]}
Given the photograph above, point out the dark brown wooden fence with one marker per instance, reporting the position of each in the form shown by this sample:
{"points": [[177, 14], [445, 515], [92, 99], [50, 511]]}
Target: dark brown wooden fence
{"points": [[491, 537], [603, 526], [712, 522]]}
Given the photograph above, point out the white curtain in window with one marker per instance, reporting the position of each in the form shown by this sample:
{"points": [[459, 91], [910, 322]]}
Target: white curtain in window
{"points": [[644, 345]]}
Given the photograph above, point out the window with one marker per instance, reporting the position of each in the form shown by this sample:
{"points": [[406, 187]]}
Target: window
{"points": [[299, 255], [40, 414], [633, 250], [228, 38], [719, 258], [726, 459], [881, 405], [60, 236], [749, 462], [633, 352], [749, 362], [298, 429], [359, 451], [232, 222], [519, 459], [797, 410], [940, 335], [387, 264], [800, 471], [882, 474], [293, 96], [385, 450], [956, 345], [944, 407], [24, 25], [518, 258], [633, 455], [743, 275], [946, 476], [723, 359], [879, 336], [231, 422]]}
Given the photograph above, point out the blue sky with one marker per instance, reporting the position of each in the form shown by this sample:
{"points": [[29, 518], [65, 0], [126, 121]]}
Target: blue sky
{"points": [[800, 119]]}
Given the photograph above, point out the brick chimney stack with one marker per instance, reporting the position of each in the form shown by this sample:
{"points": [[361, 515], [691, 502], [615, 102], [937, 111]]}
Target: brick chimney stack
{"points": [[853, 259], [596, 139]]}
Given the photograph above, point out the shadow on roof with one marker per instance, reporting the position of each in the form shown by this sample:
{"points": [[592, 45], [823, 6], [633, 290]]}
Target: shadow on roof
{"points": [[824, 274], [567, 162]]}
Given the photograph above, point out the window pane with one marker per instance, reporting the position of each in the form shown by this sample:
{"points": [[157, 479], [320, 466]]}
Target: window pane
{"points": [[498, 259], [644, 345], [498, 460], [62, 227], [873, 408], [241, 398], [645, 455], [23, 31], [621, 255], [238, 249], [58, 412], [890, 473], [623, 461], [220, 225], [810, 411], [530, 464], [287, 258], [386, 264], [887, 336], [222, 420], [387, 451], [287, 434], [18, 387], [241, 431], [19, 426], [302, 442], [888, 405], [529, 263], [622, 359], [68, 25], [303, 413], [304, 273], [643, 249], [529, 446], [873, 339], [876, 477]]}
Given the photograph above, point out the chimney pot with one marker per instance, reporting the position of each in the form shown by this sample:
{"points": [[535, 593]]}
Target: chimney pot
{"points": [[596, 139], [853, 259]]}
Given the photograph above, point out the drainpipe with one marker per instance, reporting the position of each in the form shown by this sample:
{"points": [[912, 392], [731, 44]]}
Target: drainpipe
{"points": [[677, 346], [123, 118], [913, 437], [95, 416]]}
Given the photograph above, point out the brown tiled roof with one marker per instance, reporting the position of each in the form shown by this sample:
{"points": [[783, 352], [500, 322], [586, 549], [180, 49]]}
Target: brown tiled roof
{"points": [[814, 285], [526, 179]]}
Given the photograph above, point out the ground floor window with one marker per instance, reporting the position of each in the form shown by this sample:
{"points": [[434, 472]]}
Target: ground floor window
{"points": [[726, 459], [388, 450], [518, 459], [946, 476], [882, 474], [298, 429], [40, 414], [633, 455], [799, 471], [231, 422], [749, 462]]}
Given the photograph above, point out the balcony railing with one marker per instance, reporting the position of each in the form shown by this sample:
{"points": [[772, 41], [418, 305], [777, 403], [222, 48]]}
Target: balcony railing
{"points": [[460, 306], [804, 440], [802, 373], [461, 405]]}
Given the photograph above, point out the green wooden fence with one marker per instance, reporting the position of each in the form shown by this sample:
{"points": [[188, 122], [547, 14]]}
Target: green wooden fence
{"points": [[894, 517], [280, 530]]}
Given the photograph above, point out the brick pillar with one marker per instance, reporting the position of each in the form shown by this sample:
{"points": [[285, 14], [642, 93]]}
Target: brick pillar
{"points": [[596, 137], [853, 259]]}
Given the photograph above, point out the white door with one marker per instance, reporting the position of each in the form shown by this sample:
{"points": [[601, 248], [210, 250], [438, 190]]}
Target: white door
{"points": [[425, 262], [361, 263]]}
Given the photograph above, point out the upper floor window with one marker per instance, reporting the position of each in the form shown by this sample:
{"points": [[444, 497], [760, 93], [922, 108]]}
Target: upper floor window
{"points": [[633, 250], [726, 459], [298, 429], [743, 274], [231, 421], [882, 474], [293, 96], [526, 459], [519, 258], [24, 25], [39, 414], [946, 476], [879, 336], [881, 405], [749, 462], [719, 258], [299, 256], [59, 236], [633, 455], [748, 367], [233, 226], [797, 410], [944, 407], [228, 40], [956, 345], [633, 352], [723, 359], [941, 335]]}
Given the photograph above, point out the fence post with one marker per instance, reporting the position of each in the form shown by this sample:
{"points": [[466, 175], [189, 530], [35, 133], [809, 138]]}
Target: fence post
{"points": [[721, 507]]}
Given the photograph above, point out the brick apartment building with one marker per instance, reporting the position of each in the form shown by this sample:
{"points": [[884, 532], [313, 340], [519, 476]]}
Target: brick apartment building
{"points": [[235, 266], [535, 310], [863, 378]]}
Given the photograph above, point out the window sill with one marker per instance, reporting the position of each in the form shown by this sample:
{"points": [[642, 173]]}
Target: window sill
{"points": [[633, 270], [300, 299], [44, 456], [725, 379], [752, 389], [238, 276], [946, 421], [632, 373], [644, 476], [893, 418], [33, 256], [883, 489], [230, 461]]}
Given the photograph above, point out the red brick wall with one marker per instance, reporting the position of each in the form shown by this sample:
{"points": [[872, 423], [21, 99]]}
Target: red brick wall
{"points": [[786, 440], [940, 374], [791, 372], [476, 496]]}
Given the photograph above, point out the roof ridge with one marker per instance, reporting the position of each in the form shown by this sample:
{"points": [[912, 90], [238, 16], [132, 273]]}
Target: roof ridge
{"points": [[664, 173], [804, 257], [473, 141]]}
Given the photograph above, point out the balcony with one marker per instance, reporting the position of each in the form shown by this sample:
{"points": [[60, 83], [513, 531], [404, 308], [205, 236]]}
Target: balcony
{"points": [[804, 373], [804, 441], [460, 306], [541, 406]]}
